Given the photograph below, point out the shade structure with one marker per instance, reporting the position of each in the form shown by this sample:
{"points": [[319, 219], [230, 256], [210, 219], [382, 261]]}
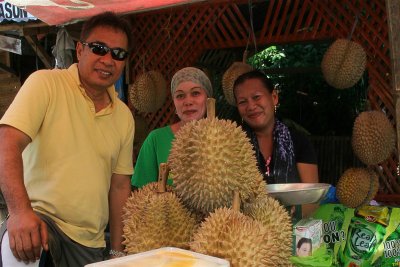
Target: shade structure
{"points": [[61, 12]]}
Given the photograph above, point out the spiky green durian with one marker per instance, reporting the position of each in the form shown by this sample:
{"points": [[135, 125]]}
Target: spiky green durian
{"points": [[231, 235], [373, 138], [357, 187], [210, 159], [229, 77], [276, 219], [148, 92], [152, 220], [343, 63]]}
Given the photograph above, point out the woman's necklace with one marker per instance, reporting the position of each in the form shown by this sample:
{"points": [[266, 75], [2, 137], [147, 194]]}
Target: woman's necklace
{"points": [[267, 163]]}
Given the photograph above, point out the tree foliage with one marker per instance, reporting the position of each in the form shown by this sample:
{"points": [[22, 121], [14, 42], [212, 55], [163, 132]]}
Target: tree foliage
{"points": [[304, 96]]}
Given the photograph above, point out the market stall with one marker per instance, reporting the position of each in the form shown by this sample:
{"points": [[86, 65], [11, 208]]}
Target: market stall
{"points": [[342, 233]]}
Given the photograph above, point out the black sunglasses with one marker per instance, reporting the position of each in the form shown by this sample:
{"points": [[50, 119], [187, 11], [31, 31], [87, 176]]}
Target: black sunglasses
{"points": [[101, 50]]}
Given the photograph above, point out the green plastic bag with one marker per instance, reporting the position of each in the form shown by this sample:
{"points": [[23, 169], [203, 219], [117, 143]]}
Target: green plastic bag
{"points": [[320, 258]]}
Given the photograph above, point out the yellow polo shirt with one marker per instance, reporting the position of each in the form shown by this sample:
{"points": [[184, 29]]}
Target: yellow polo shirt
{"points": [[74, 151]]}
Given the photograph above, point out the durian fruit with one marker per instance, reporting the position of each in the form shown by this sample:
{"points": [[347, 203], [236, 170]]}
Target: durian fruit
{"points": [[277, 220], [243, 241], [343, 63], [357, 187], [373, 137], [211, 158], [148, 92], [154, 217], [229, 77]]}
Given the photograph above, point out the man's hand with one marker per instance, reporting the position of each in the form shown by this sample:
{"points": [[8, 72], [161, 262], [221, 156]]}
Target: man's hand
{"points": [[27, 234]]}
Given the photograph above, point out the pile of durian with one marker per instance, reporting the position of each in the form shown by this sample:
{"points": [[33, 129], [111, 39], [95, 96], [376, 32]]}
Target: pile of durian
{"points": [[211, 160]]}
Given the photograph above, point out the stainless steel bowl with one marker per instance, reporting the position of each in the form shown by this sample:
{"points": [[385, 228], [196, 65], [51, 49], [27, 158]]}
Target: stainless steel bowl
{"points": [[298, 193]]}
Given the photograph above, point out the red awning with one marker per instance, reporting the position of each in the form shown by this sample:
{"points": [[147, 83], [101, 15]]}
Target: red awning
{"points": [[58, 12]]}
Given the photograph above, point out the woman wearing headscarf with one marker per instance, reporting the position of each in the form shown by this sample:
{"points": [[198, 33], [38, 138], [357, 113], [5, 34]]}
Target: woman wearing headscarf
{"points": [[190, 88], [283, 155]]}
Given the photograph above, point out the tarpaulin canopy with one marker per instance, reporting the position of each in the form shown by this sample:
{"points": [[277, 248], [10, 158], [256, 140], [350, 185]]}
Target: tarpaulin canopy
{"points": [[59, 12]]}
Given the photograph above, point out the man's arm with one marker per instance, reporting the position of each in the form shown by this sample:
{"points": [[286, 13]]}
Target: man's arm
{"points": [[120, 190], [27, 232]]}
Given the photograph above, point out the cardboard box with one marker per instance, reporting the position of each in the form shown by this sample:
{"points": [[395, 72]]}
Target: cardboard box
{"points": [[307, 236]]}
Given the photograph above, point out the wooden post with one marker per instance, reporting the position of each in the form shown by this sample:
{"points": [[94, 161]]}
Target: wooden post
{"points": [[393, 18], [393, 14], [39, 50]]}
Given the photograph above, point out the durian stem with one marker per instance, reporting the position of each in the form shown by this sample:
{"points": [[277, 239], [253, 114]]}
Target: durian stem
{"points": [[210, 108], [244, 57], [236, 201], [162, 177]]}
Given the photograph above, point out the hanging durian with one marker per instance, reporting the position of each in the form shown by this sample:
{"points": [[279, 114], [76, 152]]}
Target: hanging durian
{"points": [[148, 92], [373, 137], [242, 240], [357, 187], [343, 63], [211, 158], [276, 219], [228, 78], [154, 217]]}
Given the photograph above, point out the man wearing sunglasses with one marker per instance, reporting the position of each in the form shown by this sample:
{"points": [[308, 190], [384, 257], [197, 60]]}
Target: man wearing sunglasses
{"points": [[66, 155]]}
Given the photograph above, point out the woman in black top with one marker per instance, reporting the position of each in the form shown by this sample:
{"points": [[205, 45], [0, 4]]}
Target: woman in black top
{"points": [[283, 155]]}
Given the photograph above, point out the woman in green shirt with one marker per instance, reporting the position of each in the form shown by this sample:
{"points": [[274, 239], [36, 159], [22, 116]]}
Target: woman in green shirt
{"points": [[190, 88]]}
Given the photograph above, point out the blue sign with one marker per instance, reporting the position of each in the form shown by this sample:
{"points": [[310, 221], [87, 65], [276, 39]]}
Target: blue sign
{"points": [[14, 13]]}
